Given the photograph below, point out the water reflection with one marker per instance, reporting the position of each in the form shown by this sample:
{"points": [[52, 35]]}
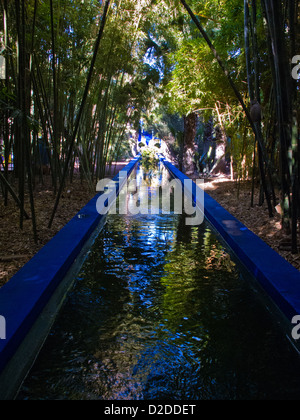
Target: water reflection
{"points": [[160, 311]]}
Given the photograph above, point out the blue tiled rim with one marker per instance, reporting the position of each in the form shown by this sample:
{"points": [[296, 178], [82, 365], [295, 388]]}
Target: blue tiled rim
{"points": [[24, 297], [278, 277]]}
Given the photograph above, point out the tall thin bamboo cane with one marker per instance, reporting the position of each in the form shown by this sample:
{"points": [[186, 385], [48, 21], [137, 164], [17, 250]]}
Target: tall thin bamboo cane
{"points": [[25, 81], [55, 100], [6, 115], [13, 194], [20, 153]]}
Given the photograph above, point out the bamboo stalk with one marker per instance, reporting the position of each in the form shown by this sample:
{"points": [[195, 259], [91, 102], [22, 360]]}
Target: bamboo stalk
{"points": [[5, 122], [20, 98], [25, 107], [55, 98], [13, 194]]}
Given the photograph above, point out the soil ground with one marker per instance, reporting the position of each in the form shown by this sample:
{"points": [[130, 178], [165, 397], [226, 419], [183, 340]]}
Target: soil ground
{"points": [[236, 198], [17, 246]]}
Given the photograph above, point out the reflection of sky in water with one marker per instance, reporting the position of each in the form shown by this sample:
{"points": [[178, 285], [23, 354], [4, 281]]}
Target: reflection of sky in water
{"points": [[152, 194], [160, 311]]}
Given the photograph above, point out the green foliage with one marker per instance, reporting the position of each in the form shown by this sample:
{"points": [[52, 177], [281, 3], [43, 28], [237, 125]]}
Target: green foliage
{"points": [[149, 160], [197, 80]]}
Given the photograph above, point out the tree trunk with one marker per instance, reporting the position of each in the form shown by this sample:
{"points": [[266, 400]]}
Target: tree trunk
{"points": [[220, 151], [190, 130], [220, 166]]}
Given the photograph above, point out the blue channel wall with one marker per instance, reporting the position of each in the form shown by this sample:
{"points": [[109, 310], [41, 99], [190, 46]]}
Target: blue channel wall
{"points": [[26, 294], [278, 277]]}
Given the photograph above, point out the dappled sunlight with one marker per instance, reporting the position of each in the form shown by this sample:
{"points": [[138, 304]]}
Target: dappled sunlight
{"points": [[236, 199], [212, 184]]}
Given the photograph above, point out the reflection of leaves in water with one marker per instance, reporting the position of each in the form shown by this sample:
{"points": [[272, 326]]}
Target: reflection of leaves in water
{"points": [[149, 160], [197, 276], [216, 257], [219, 260]]}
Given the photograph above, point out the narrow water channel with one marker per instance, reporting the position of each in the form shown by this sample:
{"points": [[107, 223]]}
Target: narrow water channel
{"points": [[161, 311]]}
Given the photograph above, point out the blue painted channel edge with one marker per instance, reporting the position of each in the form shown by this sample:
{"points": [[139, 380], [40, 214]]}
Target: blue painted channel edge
{"points": [[23, 298], [278, 277]]}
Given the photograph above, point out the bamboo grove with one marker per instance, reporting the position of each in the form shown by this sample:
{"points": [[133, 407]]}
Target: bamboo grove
{"points": [[76, 82], [65, 97]]}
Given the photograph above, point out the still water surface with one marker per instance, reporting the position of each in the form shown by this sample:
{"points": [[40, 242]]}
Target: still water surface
{"points": [[161, 311]]}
